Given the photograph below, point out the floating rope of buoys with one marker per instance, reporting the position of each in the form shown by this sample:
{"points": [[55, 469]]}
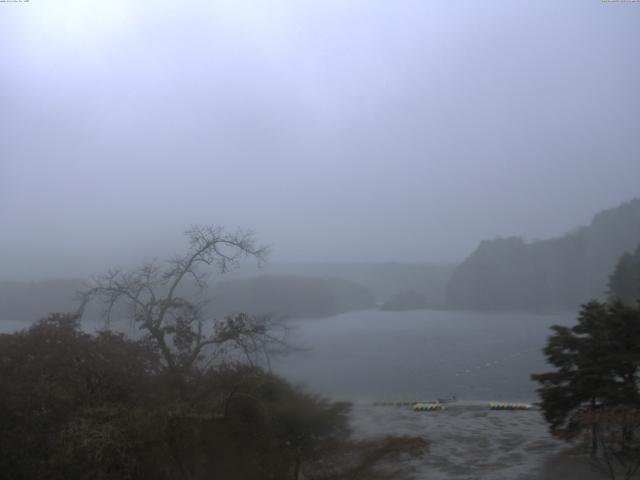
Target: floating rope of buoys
{"points": [[427, 407], [509, 406], [395, 404]]}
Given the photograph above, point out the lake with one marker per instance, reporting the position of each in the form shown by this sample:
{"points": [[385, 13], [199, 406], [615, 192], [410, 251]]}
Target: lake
{"points": [[416, 355], [370, 356], [420, 355]]}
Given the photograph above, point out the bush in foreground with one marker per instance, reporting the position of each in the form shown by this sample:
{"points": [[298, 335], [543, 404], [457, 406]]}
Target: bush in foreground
{"points": [[74, 405]]}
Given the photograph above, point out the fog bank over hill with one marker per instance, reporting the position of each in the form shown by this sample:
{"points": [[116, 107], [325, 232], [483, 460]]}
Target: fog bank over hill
{"points": [[504, 273], [224, 221], [289, 296], [304, 289], [31, 301], [558, 273], [281, 296], [340, 131], [385, 280]]}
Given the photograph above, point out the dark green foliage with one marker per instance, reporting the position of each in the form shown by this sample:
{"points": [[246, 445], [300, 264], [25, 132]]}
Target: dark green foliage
{"points": [[80, 406], [624, 282], [187, 400], [70, 402], [559, 273], [597, 365]]}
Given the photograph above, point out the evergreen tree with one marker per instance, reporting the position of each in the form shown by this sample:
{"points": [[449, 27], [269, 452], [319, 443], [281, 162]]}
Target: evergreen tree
{"points": [[597, 365], [624, 282]]}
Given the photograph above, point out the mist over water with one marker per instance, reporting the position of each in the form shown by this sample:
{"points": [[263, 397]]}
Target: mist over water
{"points": [[421, 355], [420, 177], [372, 356]]}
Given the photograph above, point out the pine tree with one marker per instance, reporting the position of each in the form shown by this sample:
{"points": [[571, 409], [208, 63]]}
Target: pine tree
{"points": [[597, 366], [624, 282]]}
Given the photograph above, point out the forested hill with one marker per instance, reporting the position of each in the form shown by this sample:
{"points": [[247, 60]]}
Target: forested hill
{"points": [[558, 273], [384, 279], [288, 296]]}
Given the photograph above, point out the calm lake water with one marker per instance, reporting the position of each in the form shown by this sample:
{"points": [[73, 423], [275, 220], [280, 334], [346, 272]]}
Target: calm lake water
{"points": [[420, 355], [416, 355]]}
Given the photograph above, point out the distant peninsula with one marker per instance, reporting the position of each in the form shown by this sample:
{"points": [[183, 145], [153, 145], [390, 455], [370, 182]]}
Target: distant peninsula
{"points": [[557, 273], [406, 300]]}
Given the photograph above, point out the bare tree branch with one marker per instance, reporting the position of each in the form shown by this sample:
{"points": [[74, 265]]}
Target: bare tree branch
{"points": [[175, 324]]}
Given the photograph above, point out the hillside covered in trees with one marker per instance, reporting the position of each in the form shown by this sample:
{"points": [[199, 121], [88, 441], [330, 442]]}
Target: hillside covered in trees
{"points": [[281, 295], [558, 273], [385, 279], [624, 282], [302, 289]]}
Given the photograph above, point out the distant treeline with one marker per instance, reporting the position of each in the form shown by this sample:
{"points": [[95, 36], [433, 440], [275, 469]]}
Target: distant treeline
{"points": [[285, 289], [290, 296], [384, 279], [283, 296], [624, 282], [504, 273], [559, 273]]}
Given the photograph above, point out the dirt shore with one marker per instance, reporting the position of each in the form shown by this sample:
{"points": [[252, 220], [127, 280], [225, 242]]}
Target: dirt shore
{"points": [[469, 441]]}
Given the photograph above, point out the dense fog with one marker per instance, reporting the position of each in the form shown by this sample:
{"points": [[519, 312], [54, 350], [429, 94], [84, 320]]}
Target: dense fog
{"points": [[339, 131], [319, 240]]}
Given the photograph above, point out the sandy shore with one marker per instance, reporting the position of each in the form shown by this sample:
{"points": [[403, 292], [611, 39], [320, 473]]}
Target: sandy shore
{"points": [[468, 441]]}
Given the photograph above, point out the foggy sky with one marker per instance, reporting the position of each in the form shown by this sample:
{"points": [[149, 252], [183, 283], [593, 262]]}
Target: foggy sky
{"points": [[337, 130]]}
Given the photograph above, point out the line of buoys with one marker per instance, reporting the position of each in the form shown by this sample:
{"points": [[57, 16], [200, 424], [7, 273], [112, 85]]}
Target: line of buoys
{"points": [[405, 403], [420, 406], [509, 406], [427, 407], [394, 404]]}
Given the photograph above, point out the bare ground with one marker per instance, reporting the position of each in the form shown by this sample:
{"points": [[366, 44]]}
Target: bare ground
{"points": [[469, 441]]}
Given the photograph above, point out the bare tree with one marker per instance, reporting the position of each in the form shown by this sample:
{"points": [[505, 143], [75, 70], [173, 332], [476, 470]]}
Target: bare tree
{"points": [[176, 325]]}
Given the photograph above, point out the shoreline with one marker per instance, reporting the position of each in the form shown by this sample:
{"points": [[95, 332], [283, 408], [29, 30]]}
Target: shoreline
{"points": [[470, 441]]}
